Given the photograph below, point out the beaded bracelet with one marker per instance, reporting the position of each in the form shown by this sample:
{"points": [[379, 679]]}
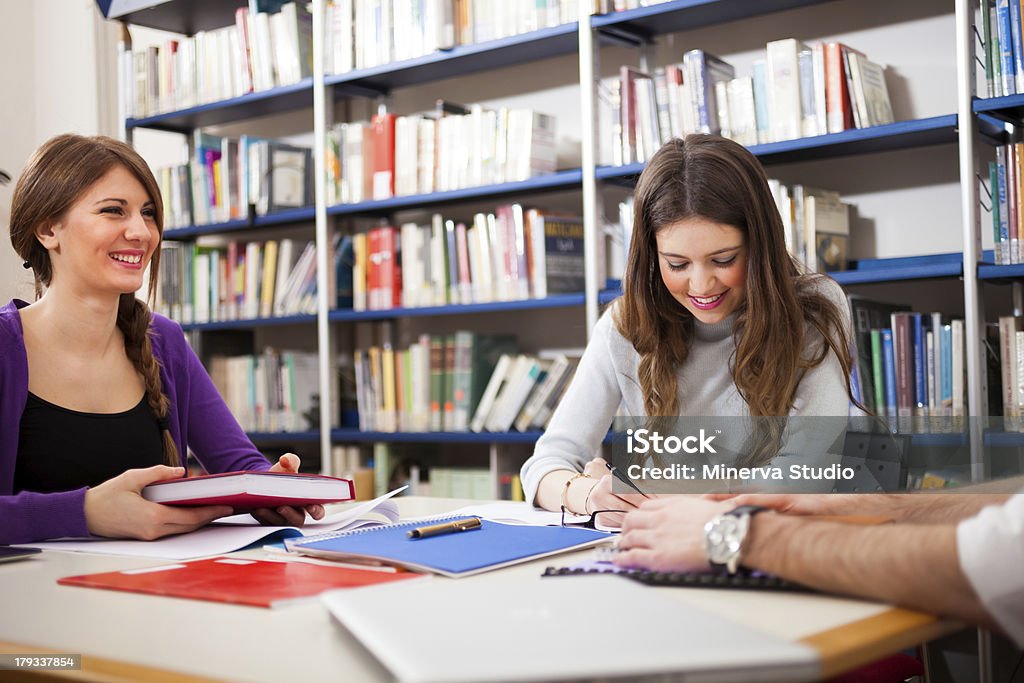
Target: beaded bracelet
{"points": [[565, 491]]}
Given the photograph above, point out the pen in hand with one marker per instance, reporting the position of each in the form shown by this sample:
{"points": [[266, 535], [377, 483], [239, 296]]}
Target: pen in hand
{"points": [[626, 480], [446, 528]]}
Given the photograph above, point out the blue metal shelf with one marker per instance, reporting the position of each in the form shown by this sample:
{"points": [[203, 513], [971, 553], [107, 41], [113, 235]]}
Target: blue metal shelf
{"points": [[560, 180], [867, 271], [1004, 439], [301, 215], [555, 301], [289, 437], [209, 229], [683, 15], [458, 61], [179, 16], [992, 272], [461, 60], [249, 106], [938, 439], [349, 435], [248, 323], [1009, 108], [893, 136]]}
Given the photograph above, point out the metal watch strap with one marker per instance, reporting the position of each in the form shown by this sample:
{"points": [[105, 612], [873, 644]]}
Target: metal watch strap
{"points": [[750, 510]]}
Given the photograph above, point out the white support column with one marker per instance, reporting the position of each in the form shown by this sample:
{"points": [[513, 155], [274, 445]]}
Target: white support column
{"points": [[975, 319], [976, 385], [592, 228], [323, 241]]}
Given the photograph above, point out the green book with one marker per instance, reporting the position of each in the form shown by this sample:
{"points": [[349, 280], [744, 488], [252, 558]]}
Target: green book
{"points": [[476, 355], [876, 371]]}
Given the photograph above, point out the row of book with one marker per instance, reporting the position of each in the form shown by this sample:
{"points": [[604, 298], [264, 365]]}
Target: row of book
{"points": [[457, 383], [816, 224], [1011, 366], [227, 177], [508, 255], [238, 281], [797, 91], [425, 471], [451, 148], [259, 52], [1006, 184], [910, 367], [1003, 49], [275, 391], [368, 33], [264, 50]]}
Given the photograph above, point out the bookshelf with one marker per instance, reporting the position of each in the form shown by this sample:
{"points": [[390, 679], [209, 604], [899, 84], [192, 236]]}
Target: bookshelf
{"points": [[960, 124]]}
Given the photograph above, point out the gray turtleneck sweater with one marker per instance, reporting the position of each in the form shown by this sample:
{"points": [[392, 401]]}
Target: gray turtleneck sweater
{"points": [[606, 384]]}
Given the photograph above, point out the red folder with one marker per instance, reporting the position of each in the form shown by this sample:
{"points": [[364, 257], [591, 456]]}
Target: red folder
{"points": [[240, 581]]}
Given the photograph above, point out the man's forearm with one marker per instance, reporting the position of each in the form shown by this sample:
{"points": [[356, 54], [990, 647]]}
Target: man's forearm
{"points": [[941, 508], [914, 508], [911, 565]]}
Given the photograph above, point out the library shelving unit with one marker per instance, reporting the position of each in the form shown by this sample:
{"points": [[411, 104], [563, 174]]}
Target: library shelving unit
{"points": [[968, 123]]}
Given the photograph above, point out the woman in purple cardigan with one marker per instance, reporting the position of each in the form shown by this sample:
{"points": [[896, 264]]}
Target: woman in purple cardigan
{"points": [[99, 397]]}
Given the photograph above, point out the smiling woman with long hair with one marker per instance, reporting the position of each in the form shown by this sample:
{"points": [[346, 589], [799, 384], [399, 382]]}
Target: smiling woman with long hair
{"points": [[99, 397], [716, 319]]}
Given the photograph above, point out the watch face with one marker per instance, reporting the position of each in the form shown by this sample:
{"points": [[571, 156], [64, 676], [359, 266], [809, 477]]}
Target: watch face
{"points": [[723, 539]]}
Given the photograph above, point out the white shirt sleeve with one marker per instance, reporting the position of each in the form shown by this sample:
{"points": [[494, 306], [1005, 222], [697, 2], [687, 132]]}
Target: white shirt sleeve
{"points": [[583, 416], [990, 546]]}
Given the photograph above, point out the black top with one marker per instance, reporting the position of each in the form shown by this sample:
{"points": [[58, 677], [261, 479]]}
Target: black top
{"points": [[62, 450]]}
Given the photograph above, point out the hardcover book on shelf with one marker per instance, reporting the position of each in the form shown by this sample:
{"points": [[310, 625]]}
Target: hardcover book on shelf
{"points": [[250, 490], [870, 91], [289, 177]]}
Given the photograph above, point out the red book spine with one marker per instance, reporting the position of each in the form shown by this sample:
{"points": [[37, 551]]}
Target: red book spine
{"points": [[383, 156], [837, 92]]}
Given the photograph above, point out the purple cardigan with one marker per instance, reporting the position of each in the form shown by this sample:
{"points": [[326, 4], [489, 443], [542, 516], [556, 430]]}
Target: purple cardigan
{"points": [[199, 420]]}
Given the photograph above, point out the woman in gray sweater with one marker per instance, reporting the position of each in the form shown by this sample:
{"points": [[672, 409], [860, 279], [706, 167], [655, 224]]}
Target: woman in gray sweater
{"points": [[717, 319]]}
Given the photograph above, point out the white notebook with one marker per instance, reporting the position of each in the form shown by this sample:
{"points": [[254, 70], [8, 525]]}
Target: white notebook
{"points": [[530, 629]]}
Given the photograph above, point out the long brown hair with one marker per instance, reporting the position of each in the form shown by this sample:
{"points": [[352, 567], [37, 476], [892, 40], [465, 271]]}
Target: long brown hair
{"points": [[57, 175], [719, 180]]}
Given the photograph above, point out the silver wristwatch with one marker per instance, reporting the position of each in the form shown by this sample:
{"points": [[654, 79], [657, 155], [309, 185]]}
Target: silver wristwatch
{"points": [[724, 537]]}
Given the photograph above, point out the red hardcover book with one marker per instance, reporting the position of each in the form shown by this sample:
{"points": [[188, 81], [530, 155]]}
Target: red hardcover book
{"points": [[838, 107], [383, 156], [240, 581], [250, 490], [373, 267]]}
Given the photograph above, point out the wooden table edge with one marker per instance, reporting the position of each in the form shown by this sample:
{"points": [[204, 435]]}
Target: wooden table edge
{"points": [[840, 649], [95, 669], [852, 645]]}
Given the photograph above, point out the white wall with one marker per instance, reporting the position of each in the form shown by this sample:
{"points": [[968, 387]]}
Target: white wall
{"points": [[58, 76]]}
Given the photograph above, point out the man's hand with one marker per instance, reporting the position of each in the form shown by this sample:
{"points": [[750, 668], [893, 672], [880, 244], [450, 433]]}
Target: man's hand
{"points": [[667, 534]]}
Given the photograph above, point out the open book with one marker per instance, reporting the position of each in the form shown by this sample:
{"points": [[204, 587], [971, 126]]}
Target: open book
{"points": [[250, 490], [236, 532]]}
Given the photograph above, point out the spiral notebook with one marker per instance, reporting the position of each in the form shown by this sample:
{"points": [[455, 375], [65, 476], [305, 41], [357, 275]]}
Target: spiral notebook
{"points": [[493, 546], [748, 580]]}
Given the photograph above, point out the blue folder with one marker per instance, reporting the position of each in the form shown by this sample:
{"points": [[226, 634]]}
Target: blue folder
{"points": [[463, 553]]}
